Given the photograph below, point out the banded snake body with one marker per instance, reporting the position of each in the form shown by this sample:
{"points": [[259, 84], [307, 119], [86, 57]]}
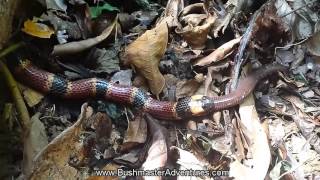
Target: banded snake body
{"points": [[197, 105]]}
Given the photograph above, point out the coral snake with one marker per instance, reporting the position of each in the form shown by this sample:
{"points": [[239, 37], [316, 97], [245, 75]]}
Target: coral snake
{"points": [[196, 105]]}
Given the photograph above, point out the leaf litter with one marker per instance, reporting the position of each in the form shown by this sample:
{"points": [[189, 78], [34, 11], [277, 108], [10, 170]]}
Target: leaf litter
{"points": [[172, 50]]}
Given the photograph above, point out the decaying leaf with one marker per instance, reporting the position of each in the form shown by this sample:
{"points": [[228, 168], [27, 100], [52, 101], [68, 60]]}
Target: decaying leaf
{"points": [[122, 77], [31, 96], [197, 36], [34, 141], [170, 15], [38, 29], [144, 55], [257, 167], [136, 133], [53, 160], [157, 154], [301, 25], [219, 53], [107, 60], [187, 88], [187, 161]]}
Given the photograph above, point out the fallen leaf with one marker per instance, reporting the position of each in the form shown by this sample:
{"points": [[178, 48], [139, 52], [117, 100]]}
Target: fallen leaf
{"points": [[299, 24], [187, 161], [257, 167], [53, 160], [136, 133], [158, 151], [35, 28], [34, 141], [31, 96], [219, 54], [313, 44], [196, 8], [123, 77], [197, 36], [170, 14], [107, 60], [145, 53], [187, 88]]}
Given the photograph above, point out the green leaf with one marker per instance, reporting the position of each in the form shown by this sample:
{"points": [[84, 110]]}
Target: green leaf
{"points": [[97, 10]]}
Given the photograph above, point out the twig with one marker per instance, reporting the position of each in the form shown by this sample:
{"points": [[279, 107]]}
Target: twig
{"points": [[10, 49], [16, 95], [289, 45], [12, 85], [78, 46]]}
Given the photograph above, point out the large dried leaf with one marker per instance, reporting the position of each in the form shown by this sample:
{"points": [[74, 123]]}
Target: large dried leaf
{"points": [[158, 151], [257, 167], [144, 54], [53, 160], [34, 142]]}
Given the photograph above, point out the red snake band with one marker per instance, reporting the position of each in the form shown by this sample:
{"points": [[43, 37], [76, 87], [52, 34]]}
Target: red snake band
{"points": [[197, 105]]}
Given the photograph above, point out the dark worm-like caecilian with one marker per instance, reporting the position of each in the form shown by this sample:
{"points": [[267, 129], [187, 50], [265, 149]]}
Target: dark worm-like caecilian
{"points": [[197, 105]]}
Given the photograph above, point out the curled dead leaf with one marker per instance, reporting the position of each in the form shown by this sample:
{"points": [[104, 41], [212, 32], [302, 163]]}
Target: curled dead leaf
{"points": [[196, 36], [219, 53], [144, 54]]}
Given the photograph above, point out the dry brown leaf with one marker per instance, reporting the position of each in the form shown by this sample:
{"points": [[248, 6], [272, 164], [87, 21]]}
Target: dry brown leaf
{"points": [[145, 53], [34, 142], [78, 46], [31, 96], [188, 161], [170, 15], [257, 167], [158, 151], [187, 88], [197, 36], [136, 133], [219, 53], [53, 160]]}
